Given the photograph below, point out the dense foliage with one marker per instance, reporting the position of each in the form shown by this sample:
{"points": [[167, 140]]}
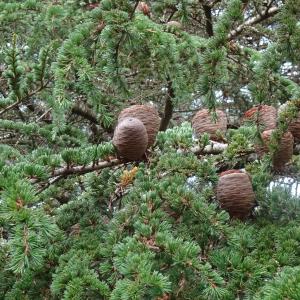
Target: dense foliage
{"points": [[78, 223]]}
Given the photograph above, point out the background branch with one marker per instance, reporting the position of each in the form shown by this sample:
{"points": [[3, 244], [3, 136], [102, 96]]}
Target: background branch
{"points": [[252, 21]]}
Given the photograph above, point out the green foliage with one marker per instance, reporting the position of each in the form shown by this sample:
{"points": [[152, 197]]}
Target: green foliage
{"points": [[283, 286], [176, 137], [279, 204], [241, 141], [253, 253], [75, 279], [78, 223]]}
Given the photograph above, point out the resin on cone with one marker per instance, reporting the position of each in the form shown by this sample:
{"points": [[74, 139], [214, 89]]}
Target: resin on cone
{"points": [[284, 152], [148, 115], [204, 123], [235, 193], [130, 139], [264, 115]]}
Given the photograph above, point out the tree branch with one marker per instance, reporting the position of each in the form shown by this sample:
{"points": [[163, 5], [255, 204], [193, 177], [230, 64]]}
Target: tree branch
{"points": [[169, 107], [58, 174], [209, 23], [254, 20], [66, 171], [85, 112], [15, 104]]}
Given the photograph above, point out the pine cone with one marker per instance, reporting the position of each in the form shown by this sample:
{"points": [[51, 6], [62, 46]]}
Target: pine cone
{"points": [[144, 8], [265, 115], [203, 122], [235, 194], [230, 172], [294, 128], [284, 151], [148, 115], [130, 139]]}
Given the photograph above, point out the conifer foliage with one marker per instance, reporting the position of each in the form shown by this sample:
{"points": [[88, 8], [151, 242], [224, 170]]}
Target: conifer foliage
{"points": [[77, 220]]}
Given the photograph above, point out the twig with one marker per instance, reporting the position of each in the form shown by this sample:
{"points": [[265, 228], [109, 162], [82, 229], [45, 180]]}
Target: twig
{"points": [[43, 115], [172, 14], [9, 107], [85, 112], [50, 182], [26, 97]]}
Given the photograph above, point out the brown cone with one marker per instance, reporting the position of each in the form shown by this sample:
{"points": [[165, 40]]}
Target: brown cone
{"points": [[203, 122], [294, 128], [285, 148], [265, 115], [235, 194], [230, 172], [130, 139], [149, 117], [143, 8]]}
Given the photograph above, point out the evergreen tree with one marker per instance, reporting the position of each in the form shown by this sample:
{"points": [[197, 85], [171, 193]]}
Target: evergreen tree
{"points": [[78, 222]]}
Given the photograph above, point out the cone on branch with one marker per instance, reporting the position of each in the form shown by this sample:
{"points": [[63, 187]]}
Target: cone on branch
{"points": [[283, 153], [235, 193], [143, 8], [203, 123], [263, 115], [130, 139], [294, 126], [148, 115]]}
